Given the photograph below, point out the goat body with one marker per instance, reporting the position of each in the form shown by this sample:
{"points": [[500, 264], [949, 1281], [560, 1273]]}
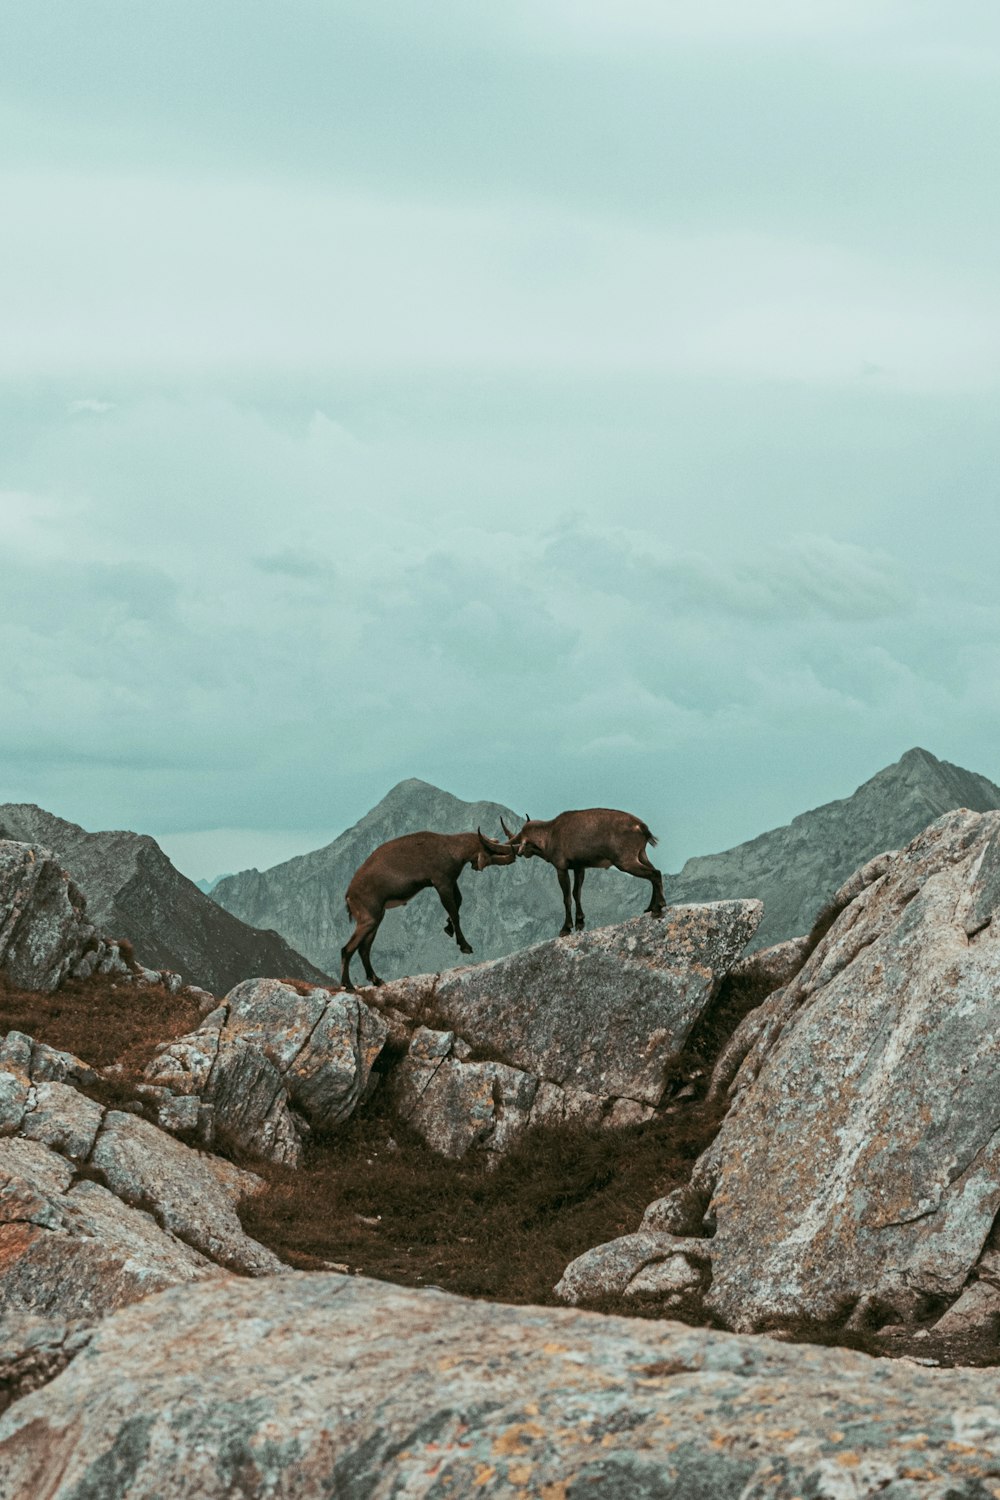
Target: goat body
{"points": [[592, 838], [398, 870]]}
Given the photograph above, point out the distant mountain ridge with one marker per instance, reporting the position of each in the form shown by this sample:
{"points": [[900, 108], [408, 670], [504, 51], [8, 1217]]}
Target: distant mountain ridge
{"points": [[792, 869], [133, 891]]}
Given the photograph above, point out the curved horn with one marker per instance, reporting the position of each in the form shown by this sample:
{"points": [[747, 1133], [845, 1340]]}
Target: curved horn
{"points": [[493, 845], [506, 830]]}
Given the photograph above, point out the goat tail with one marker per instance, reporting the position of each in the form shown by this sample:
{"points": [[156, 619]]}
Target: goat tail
{"points": [[649, 837]]}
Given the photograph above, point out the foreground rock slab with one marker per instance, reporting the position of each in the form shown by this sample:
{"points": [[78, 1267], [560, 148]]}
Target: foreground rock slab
{"points": [[320, 1385], [857, 1173], [600, 1012]]}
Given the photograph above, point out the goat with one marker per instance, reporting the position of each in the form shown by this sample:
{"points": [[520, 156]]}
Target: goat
{"points": [[594, 838], [398, 870]]}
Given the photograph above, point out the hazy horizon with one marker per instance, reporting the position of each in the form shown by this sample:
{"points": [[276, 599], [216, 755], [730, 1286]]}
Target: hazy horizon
{"points": [[564, 406], [270, 847]]}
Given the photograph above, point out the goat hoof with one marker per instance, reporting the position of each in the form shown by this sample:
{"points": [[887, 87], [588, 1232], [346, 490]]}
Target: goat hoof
{"points": [[464, 948], [565, 931], [376, 982], [580, 924]]}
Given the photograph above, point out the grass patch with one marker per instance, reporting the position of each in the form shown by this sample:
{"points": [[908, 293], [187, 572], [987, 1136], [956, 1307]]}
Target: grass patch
{"points": [[102, 1019], [374, 1198]]}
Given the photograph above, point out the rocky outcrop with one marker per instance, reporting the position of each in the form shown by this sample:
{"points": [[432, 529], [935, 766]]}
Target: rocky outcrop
{"points": [[578, 1028], [44, 927], [133, 891], [856, 1175], [99, 1208], [858, 1170], [327, 1385], [268, 1064], [793, 869]]}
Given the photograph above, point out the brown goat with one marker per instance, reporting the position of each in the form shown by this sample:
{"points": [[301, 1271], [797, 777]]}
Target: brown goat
{"points": [[398, 870], [594, 838]]}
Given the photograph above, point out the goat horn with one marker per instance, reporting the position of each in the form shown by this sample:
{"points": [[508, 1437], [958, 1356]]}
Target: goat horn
{"points": [[506, 830], [493, 845]]}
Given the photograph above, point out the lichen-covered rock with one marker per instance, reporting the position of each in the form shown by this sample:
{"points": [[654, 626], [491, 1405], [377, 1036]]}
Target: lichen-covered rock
{"points": [[318, 1385], [44, 929], [33, 1350], [145, 1166], [160, 1214], [650, 1262], [456, 1105], [601, 1012], [268, 1063], [74, 1250], [859, 1165], [59, 1116]]}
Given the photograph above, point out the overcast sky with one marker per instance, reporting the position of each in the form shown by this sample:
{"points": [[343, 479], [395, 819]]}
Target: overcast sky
{"points": [[565, 402]]}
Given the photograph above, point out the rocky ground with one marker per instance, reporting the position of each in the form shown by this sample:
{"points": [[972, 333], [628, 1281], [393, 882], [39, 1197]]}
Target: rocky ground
{"points": [[799, 1145]]}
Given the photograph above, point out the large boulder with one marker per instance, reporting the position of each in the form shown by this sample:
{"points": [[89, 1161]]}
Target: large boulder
{"points": [[601, 1011], [582, 1028], [44, 929], [322, 1385], [99, 1208], [271, 1062], [857, 1173]]}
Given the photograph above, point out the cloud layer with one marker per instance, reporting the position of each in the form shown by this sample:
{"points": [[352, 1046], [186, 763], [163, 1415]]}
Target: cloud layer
{"points": [[565, 404]]}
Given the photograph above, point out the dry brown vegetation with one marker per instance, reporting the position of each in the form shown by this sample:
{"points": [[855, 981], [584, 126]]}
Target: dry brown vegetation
{"points": [[375, 1199], [102, 1020]]}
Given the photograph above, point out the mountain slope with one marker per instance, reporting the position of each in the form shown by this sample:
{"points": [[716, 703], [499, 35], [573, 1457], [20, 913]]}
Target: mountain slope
{"points": [[793, 869], [134, 892], [504, 908]]}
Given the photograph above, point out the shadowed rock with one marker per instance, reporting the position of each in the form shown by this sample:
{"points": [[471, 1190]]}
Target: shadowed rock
{"points": [[133, 891]]}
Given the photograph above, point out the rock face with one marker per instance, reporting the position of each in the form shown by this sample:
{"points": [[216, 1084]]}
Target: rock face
{"points": [[150, 1213], [325, 1385], [271, 1062], [578, 1028], [603, 1010], [858, 1170], [793, 869], [44, 927], [133, 891], [503, 908]]}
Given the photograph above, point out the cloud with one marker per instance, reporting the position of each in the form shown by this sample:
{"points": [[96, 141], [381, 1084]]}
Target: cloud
{"points": [[295, 565], [90, 404], [177, 275]]}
